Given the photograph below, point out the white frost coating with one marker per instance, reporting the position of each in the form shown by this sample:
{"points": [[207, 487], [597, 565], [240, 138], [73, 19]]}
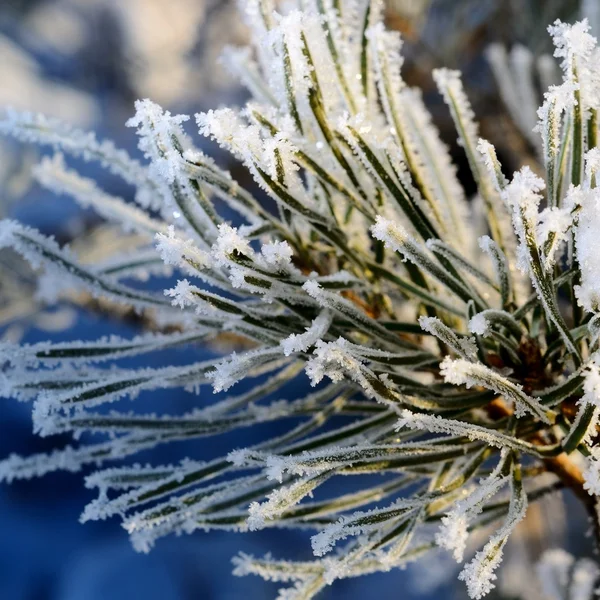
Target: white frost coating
{"points": [[588, 252], [592, 165], [71, 459], [479, 325], [17, 467], [104, 507], [387, 61], [334, 139], [523, 193], [16, 236], [99, 350], [279, 157], [591, 384], [53, 174], [479, 573], [392, 234], [577, 47], [459, 371], [490, 160], [234, 368], [435, 424], [245, 142], [40, 129], [558, 99], [313, 289], [342, 306], [464, 372], [572, 41], [485, 242], [453, 532], [438, 173], [359, 129], [163, 142], [281, 500], [591, 473], [229, 242], [229, 131], [277, 255], [464, 346], [387, 58], [318, 461], [156, 129], [338, 361], [331, 360], [179, 252], [301, 342], [50, 407], [272, 570], [63, 271], [358, 523], [183, 294], [287, 38], [499, 262], [552, 228], [450, 86]]}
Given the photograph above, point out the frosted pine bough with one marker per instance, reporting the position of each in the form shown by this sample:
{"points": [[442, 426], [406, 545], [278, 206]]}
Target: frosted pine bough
{"points": [[453, 346]]}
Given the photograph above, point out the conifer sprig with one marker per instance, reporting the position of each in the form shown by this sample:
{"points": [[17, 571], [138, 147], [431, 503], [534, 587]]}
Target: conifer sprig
{"points": [[438, 336]]}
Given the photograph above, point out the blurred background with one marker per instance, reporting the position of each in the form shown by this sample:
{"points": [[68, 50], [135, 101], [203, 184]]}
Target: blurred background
{"points": [[86, 61]]}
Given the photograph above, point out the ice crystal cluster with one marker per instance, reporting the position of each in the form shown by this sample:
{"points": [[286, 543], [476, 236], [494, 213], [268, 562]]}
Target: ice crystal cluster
{"points": [[452, 342]]}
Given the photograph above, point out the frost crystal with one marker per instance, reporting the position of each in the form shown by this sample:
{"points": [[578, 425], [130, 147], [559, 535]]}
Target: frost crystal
{"points": [[157, 130], [229, 243], [181, 253], [302, 342], [479, 324], [277, 255], [453, 532], [588, 255], [182, 294], [479, 573]]}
